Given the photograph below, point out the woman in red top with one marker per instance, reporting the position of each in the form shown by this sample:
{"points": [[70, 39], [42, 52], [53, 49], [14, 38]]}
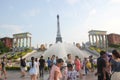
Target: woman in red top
{"points": [[78, 65]]}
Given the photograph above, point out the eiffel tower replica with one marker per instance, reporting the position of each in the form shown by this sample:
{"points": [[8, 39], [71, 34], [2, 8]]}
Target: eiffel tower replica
{"points": [[58, 38]]}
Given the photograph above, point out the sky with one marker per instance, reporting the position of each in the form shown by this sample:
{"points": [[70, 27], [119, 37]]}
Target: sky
{"points": [[77, 17]]}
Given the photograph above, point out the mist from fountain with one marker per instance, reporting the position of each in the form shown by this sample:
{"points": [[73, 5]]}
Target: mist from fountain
{"points": [[62, 49]]}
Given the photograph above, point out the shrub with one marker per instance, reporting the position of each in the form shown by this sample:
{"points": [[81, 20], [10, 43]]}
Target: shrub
{"points": [[115, 45], [15, 57], [16, 68], [13, 68], [95, 48], [92, 48]]}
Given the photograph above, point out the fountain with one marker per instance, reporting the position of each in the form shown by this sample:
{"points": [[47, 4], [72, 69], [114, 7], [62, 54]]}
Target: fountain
{"points": [[62, 49]]}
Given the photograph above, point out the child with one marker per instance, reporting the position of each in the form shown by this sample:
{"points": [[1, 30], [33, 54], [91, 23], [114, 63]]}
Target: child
{"points": [[72, 74], [64, 71]]}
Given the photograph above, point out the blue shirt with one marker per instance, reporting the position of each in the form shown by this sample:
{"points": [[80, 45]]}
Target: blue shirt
{"points": [[49, 62]]}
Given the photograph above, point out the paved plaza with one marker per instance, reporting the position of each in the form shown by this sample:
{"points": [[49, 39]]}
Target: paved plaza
{"points": [[15, 75]]}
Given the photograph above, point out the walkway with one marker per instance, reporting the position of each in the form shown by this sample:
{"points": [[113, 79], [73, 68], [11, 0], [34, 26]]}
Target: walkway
{"points": [[15, 75]]}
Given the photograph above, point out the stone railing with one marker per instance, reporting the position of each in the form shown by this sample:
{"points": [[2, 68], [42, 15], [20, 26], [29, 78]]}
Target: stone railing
{"points": [[86, 47]]}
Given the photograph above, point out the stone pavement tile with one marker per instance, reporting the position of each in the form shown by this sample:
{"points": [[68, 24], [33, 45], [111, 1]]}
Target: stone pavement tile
{"points": [[15, 75]]}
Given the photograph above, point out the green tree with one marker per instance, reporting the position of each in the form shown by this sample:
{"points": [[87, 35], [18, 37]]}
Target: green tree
{"points": [[1, 45], [3, 48]]}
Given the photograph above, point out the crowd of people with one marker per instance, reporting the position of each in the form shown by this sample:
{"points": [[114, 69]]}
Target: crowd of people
{"points": [[58, 69], [108, 67]]}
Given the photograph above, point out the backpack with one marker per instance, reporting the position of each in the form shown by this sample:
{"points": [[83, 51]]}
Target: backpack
{"points": [[23, 64]]}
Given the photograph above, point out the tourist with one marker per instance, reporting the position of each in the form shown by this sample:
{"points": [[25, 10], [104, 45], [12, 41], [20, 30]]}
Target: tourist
{"points": [[92, 63], [49, 64], [64, 71], [55, 73], [72, 74], [53, 59], [3, 71], [85, 66], [88, 65], [56, 57], [33, 69], [41, 67], [115, 62], [101, 67], [108, 66], [69, 60], [36, 60], [78, 65], [22, 67], [25, 62]]}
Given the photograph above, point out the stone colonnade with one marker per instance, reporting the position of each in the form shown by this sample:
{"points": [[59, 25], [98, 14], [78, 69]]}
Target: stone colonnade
{"points": [[98, 38], [22, 40]]}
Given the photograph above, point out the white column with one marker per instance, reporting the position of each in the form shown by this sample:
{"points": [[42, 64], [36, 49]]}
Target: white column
{"points": [[92, 39], [16, 43], [22, 42], [19, 42], [103, 41], [99, 40], [26, 41], [30, 42], [96, 40], [89, 39]]}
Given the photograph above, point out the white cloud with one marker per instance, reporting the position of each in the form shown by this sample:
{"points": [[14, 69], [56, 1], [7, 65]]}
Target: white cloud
{"points": [[8, 30], [72, 2], [115, 1], [92, 12], [32, 12]]}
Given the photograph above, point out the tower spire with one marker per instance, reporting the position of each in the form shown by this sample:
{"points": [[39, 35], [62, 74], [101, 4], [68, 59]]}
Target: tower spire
{"points": [[58, 38]]}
